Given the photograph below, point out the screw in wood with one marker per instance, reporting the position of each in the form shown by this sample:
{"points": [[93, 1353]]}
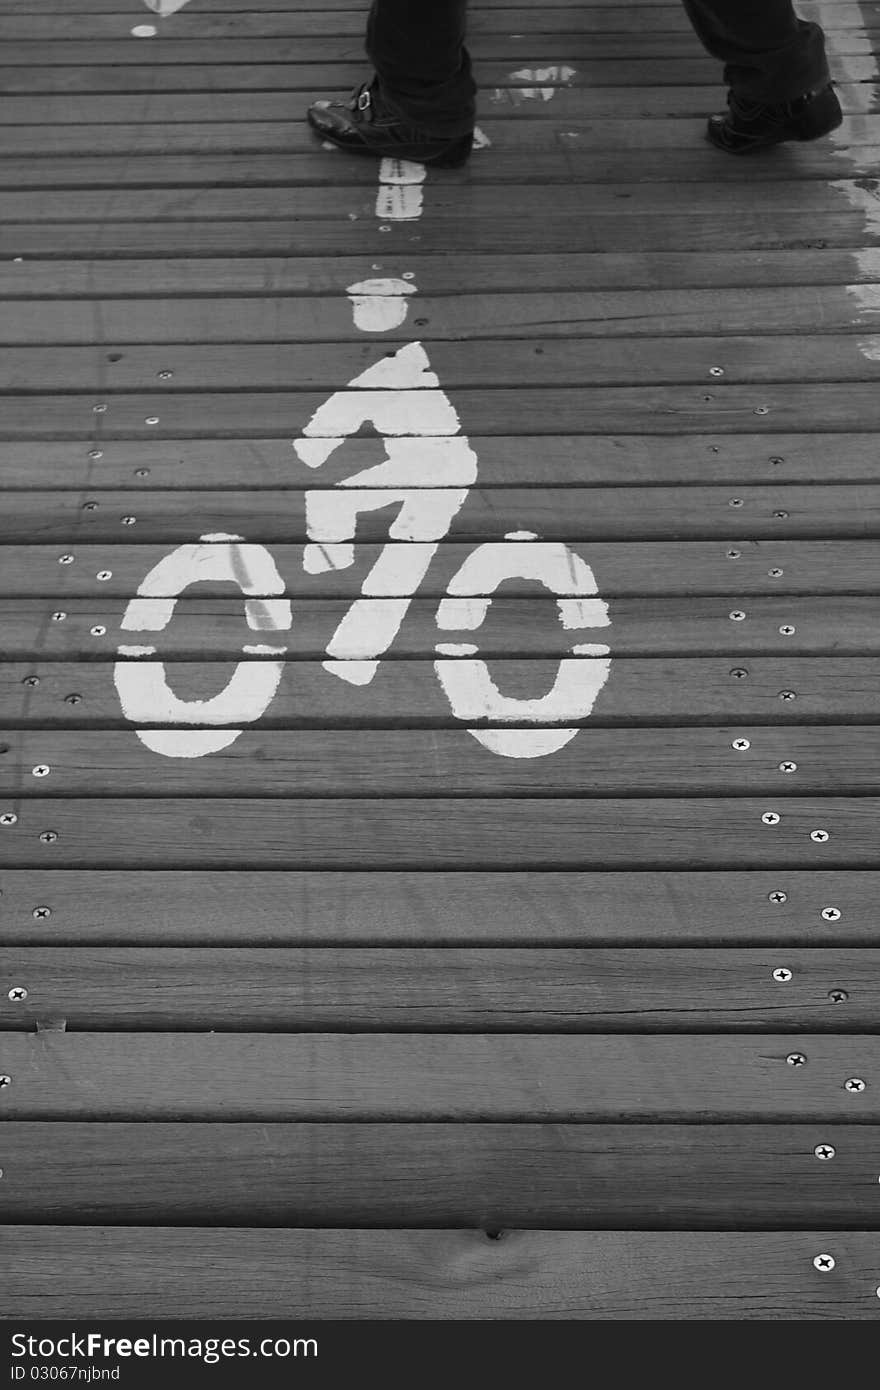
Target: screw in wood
{"points": [[739, 673], [787, 629], [824, 1263], [820, 836], [90, 506], [780, 516], [777, 896], [741, 744], [735, 502], [41, 913], [151, 420], [58, 617], [736, 616], [66, 559], [96, 453], [782, 975], [31, 680], [165, 376], [831, 914], [788, 694], [771, 818], [99, 409], [777, 458], [17, 994], [825, 1152], [5, 1081], [98, 630], [733, 554], [128, 520], [41, 770], [838, 996], [788, 767], [8, 818], [855, 1085], [49, 837], [796, 1059], [762, 410], [104, 575], [775, 573], [142, 472], [73, 699]]}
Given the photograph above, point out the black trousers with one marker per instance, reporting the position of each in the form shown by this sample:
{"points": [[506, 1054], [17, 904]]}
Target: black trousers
{"points": [[417, 48]]}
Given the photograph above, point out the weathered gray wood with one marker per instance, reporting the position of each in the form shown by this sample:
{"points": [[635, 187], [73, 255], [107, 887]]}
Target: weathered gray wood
{"points": [[201, 907], [384, 1076], [212, 629], [833, 760], [420, 833], [465, 990], [480, 273], [653, 691], [621, 568], [787, 406], [492, 1176], [570, 514], [238, 1273], [505, 460]]}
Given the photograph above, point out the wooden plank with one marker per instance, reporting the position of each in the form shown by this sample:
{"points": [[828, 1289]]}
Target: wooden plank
{"points": [[839, 761], [652, 691], [789, 406], [673, 231], [211, 629], [413, 833], [504, 460], [622, 568], [293, 138], [844, 8], [536, 361], [469, 990], [491, 1176], [234, 1273], [438, 1076], [483, 274], [568, 514], [53, 906]]}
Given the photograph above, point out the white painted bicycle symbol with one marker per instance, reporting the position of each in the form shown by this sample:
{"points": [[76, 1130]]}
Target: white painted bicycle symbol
{"points": [[428, 471]]}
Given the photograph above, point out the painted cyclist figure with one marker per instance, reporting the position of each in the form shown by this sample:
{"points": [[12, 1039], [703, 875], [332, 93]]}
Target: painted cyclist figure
{"points": [[420, 103]]}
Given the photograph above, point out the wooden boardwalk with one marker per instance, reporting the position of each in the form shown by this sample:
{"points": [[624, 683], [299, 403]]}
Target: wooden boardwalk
{"points": [[441, 688]]}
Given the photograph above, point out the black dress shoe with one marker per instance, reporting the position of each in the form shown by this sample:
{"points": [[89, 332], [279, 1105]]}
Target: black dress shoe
{"points": [[364, 125], [749, 126]]}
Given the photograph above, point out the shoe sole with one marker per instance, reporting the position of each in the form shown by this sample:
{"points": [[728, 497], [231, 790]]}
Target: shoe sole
{"points": [[797, 131]]}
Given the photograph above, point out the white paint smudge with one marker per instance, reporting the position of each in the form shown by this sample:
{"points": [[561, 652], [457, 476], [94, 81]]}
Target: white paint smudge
{"points": [[144, 31], [136, 651], [379, 305], [456, 649], [515, 95], [481, 139], [165, 7], [355, 672], [399, 197]]}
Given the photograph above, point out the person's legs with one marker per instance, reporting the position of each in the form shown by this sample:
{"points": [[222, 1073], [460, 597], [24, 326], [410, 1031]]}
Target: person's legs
{"points": [[420, 105], [769, 54], [776, 69], [422, 65]]}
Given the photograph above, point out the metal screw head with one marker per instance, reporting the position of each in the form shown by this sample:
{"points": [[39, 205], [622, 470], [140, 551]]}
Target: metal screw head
{"points": [[771, 818], [66, 559], [762, 410], [739, 673], [142, 472], [838, 996], [151, 420], [854, 1085], [73, 699], [41, 913], [98, 630], [90, 506], [58, 617], [736, 616], [99, 409], [775, 573], [777, 896], [31, 681], [787, 629], [741, 744], [128, 520], [733, 554], [165, 376], [825, 1152], [17, 994], [716, 371], [819, 836], [49, 837], [5, 1081], [830, 914], [8, 818], [782, 975], [104, 575], [824, 1263], [788, 767], [796, 1059], [777, 458], [788, 694], [96, 453], [41, 770], [735, 502], [780, 515]]}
